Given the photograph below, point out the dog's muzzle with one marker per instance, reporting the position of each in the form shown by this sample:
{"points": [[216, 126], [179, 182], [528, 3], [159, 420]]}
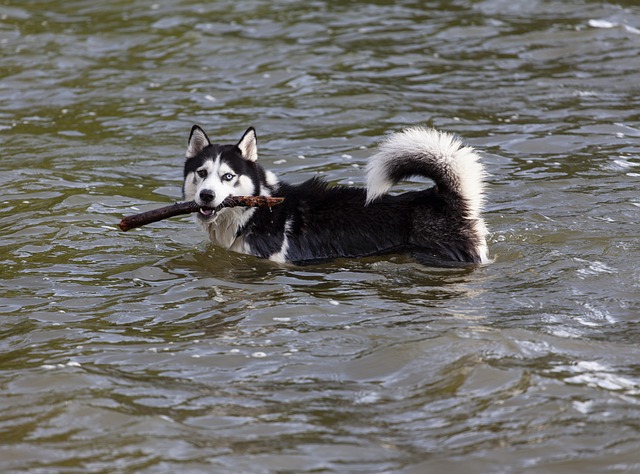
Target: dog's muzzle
{"points": [[207, 211]]}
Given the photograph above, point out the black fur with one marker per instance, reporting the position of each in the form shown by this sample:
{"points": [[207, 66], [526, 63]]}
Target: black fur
{"points": [[328, 222]]}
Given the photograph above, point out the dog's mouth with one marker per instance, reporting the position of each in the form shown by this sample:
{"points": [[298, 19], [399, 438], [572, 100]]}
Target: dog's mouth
{"points": [[207, 213]]}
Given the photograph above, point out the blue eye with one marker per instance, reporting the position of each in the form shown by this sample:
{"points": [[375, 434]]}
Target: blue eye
{"points": [[227, 177]]}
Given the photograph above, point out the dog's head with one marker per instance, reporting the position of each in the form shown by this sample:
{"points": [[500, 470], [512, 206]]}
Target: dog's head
{"points": [[214, 172]]}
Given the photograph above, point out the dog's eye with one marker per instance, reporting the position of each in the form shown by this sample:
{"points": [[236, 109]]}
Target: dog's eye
{"points": [[227, 177], [202, 173]]}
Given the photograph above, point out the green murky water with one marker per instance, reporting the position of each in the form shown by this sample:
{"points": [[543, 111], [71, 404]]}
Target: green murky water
{"points": [[153, 352]]}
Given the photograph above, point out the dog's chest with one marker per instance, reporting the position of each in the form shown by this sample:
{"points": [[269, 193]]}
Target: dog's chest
{"points": [[224, 230]]}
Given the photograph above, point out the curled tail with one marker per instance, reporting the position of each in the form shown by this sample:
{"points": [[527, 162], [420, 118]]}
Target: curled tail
{"points": [[455, 169]]}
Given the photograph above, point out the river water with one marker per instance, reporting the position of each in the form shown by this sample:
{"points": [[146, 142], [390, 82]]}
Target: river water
{"points": [[154, 352]]}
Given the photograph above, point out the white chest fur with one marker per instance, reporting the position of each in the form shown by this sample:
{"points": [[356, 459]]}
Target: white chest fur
{"points": [[223, 231]]}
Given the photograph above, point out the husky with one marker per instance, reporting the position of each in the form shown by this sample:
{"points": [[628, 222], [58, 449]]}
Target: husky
{"points": [[316, 222]]}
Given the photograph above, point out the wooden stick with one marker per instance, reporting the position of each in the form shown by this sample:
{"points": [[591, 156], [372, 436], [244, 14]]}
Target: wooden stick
{"points": [[180, 208]]}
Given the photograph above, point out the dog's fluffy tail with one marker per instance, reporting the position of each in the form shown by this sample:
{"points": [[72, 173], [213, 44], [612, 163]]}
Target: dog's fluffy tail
{"points": [[456, 170]]}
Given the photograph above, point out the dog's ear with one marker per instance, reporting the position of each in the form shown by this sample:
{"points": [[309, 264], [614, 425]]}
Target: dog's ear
{"points": [[248, 145], [198, 141]]}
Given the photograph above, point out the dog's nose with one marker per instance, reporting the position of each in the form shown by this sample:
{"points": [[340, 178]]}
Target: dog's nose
{"points": [[206, 195]]}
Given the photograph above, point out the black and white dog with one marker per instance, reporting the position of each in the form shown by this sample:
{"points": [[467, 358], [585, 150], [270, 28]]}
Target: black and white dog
{"points": [[316, 222]]}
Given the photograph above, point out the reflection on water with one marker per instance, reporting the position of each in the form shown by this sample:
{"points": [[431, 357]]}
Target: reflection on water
{"points": [[153, 351]]}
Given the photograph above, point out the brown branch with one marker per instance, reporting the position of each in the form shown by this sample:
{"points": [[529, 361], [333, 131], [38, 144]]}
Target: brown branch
{"points": [[180, 208]]}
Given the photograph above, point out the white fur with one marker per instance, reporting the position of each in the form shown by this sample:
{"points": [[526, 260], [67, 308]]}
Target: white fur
{"points": [[249, 145], [271, 180], [483, 250], [281, 256], [223, 228]]}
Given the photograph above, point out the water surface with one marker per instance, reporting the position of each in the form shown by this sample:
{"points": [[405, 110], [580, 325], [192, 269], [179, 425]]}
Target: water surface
{"points": [[152, 351]]}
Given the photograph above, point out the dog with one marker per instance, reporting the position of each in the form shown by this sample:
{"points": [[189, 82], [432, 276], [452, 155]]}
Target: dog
{"points": [[316, 222]]}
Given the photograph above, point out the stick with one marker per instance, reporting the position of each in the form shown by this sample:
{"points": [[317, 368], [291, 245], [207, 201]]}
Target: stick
{"points": [[180, 208]]}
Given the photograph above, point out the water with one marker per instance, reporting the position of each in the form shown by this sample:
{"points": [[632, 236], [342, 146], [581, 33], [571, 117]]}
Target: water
{"points": [[152, 351]]}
